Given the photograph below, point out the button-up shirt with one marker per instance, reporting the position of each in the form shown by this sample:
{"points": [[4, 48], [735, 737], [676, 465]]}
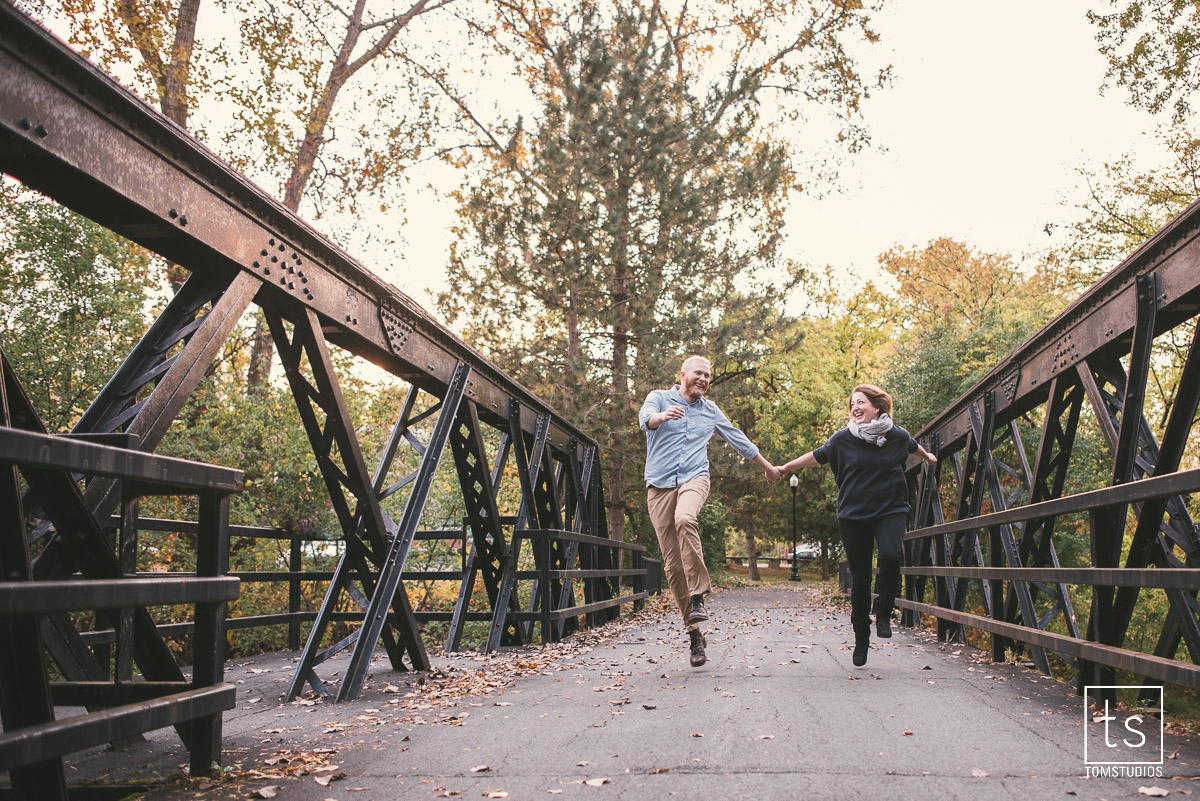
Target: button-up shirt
{"points": [[677, 451]]}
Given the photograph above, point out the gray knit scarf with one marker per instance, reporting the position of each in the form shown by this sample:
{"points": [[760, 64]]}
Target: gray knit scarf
{"points": [[874, 432]]}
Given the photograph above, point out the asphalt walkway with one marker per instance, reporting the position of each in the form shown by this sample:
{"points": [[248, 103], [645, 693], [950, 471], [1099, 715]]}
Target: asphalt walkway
{"points": [[779, 712]]}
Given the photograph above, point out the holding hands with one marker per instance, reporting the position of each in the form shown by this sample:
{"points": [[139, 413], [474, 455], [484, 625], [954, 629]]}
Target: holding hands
{"points": [[770, 471]]}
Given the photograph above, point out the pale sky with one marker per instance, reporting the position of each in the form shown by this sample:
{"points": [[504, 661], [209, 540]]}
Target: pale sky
{"points": [[993, 109]]}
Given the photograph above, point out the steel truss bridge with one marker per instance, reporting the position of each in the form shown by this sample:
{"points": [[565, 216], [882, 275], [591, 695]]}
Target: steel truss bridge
{"points": [[71, 132], [1093, 360]]}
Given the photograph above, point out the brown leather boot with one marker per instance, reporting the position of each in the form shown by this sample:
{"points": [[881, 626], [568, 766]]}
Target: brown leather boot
{"points": [[697, 614], [698, 643]]}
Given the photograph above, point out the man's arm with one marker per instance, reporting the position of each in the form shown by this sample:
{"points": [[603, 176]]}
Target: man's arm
{"points": [[650, 418], [770, 471], [742, 444], [658, 418]]}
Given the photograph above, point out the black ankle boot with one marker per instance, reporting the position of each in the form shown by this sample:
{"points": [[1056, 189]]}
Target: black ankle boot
{"points": [[862, 644], [883, 626]]}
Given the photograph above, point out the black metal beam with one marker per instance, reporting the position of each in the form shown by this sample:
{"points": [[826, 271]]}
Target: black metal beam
{"points": [[17, 597], [56, 738], [148, 474], [24, 684], [392, 564], [1179, 579], [1154, 667]]}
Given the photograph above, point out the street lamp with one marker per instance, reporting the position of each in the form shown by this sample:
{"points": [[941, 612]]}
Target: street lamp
{"points": [[794, 482]]}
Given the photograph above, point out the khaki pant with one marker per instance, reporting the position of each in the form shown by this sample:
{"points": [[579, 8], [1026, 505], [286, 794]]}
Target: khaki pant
{"points": [[675, 515]]}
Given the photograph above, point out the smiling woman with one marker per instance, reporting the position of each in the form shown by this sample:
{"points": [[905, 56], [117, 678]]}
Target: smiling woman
{"points": [[867, 458]]}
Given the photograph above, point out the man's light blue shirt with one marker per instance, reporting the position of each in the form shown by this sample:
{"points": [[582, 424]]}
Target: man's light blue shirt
{"points": [[677, 451]]}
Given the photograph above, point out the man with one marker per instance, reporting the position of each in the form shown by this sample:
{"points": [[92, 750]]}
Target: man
{"points": [[679, 423]]}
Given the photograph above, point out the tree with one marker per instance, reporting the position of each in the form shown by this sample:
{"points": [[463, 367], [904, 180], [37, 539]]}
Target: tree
{"points": [[72, 296], [1153, 51], [303, 56], [630, 222], [961, 312], [161, 32], [1124, 205], [948, 281]]}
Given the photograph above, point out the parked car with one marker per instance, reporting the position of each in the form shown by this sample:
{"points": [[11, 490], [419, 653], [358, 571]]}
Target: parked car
{"points": [[806, 551]]}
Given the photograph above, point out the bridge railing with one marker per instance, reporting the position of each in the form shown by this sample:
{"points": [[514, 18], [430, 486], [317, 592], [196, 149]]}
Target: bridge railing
{"points": [[1092, 656], [593, 572], [34, 601]]}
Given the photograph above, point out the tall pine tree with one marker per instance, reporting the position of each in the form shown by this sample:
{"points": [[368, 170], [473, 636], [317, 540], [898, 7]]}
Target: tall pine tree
{"points": [[632, 222]]}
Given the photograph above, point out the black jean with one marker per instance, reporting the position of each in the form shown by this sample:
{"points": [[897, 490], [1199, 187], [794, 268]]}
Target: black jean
{"points": [[859, 538]]}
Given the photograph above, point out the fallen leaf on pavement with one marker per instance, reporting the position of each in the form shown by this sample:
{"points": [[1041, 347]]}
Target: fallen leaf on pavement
{"points": [[979, 774], [1154, 791], [270, 791], [480, 768], [596, 782]]}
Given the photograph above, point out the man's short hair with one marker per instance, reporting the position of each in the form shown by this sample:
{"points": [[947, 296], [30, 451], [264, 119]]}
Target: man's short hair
{"points": [[695, 358]]}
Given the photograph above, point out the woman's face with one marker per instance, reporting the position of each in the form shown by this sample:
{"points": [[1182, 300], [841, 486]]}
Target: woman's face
{"points": [[861, 409]]}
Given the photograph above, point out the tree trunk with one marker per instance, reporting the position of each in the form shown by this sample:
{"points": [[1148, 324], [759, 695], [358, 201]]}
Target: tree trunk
{"points": [[619, 443], [752, 556], [615, 499], [343, 68]]}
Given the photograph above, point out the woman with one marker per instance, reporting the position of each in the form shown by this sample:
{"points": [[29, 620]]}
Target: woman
{"points": [[867, 457]]}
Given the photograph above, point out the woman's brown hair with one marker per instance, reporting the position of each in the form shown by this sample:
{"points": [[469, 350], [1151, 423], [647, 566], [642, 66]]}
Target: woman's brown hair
{"points": [[878, 397]]}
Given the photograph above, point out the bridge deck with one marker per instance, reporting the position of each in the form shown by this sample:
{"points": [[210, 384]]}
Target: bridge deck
{"points": [[778, 712]]}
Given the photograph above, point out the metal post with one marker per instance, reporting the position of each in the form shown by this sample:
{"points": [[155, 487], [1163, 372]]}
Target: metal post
{"points": [[295, 565], [794, 482]]}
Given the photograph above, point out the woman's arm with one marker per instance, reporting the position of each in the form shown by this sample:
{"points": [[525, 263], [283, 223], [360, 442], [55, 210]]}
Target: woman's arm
{"points": [[807, 460], [926, 455]]}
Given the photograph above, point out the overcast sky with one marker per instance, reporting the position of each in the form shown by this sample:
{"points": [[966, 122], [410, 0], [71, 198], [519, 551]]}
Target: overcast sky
{"points": [[994, 109]]}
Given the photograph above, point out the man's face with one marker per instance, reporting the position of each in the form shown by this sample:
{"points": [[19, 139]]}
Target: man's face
{"points": [[694, 378]]}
